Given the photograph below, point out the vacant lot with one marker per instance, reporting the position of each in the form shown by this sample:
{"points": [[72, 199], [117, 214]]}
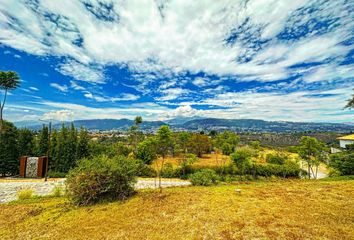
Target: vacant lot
{"points": [[269, 210]]}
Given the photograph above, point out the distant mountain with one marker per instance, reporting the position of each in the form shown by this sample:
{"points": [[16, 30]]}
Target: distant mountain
{"points": [[206, 124], [181, 120], [254, 125]]}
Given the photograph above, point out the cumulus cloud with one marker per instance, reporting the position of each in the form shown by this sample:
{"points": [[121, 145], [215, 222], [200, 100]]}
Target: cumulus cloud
{"points": [[60, 115]]}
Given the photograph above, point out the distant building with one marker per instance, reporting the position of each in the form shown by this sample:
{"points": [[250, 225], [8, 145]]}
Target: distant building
{"points": [[346, 140]]}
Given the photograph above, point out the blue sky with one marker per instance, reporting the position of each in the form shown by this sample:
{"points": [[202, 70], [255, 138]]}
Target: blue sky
{"points": [[263, 59]]}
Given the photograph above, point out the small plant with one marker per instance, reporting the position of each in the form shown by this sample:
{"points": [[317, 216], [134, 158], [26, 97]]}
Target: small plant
{"points": [[25, 194], [57, 191], [205, 177]]}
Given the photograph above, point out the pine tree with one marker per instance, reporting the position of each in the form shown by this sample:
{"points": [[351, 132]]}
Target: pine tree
{"points": [[26, 142], [9, 158], [71, 148], [53, 161], [82, 150], [43, 138]]}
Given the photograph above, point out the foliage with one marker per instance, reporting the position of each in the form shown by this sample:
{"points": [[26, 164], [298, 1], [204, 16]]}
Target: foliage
{"points": [[343, 162], [26, 142], [101, 178], [350, 103], [43, 138], [255, 145], [168, 171], [54, 174], [8, 150], [199, 144], [8, 81], [25, 194], [186, 161], [242, 158], [82, 149], [227, 142], [57, 191], [312, 152], [205, 177], [278, 158], [147, 150]]}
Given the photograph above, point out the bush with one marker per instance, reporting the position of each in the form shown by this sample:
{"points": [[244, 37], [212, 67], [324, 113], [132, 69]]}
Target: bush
{"points": [[168, 171], [277, 158], [343, 162], [144, 170], [205, 177], [57, 191], [288, 169], [25, 194], [100, 179]]}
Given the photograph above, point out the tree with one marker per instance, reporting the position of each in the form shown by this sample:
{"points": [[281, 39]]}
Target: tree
{"points": [[43, 138], [312, 152], [350, 103], [26, 144], [199, 144], [9, 162], [8, 81], [134, 133], [186, 161], [164, 146], [242, 158], [147, 150], [82, 150], [227, 142]]}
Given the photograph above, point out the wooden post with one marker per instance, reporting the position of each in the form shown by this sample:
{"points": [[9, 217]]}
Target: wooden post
{"points": [[23, 163]]}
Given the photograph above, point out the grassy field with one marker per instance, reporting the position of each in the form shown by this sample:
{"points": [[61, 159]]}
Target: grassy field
{"points": [[265, 210]]}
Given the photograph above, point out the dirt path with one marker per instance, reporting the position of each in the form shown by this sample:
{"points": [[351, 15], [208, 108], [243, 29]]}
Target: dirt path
{"points": [[9, 188]]}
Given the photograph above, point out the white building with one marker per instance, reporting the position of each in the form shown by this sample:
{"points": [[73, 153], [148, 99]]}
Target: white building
{"points": [[346, 140]]}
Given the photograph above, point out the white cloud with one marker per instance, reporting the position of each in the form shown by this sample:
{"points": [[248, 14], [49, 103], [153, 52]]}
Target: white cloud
{"points": [[61, 88], [34, 88], [171, 94], [81, 72], [60, 115], [123, 97]]}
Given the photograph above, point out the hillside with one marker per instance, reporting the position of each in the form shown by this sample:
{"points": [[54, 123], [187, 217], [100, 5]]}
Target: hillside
{"points": [[206, 124]]}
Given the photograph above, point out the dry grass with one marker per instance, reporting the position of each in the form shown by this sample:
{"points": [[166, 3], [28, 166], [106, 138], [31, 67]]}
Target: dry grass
{"points": [[206, 160], [270, 210]]}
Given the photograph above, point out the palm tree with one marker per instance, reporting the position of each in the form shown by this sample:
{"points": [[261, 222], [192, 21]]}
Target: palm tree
{"points": [[350, 103], [8, 81]]}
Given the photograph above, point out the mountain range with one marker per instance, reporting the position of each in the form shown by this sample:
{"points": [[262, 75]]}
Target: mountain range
{"points": [[205, 124]]}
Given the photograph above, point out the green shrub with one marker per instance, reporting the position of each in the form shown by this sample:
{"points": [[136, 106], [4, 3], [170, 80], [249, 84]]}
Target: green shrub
{"points": [[25, 194], [168, 171], [100, 179], [205, 177], [288, 169], [343, 162], [144, 170], [57, 191], [277, 158]]}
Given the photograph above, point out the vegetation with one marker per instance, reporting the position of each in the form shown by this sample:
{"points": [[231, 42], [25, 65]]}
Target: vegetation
{"points": [[271, 210], [343, 162], [350, 103], [25, 194], [100, 179], [8, 150], [204, 177], [8, 81]]}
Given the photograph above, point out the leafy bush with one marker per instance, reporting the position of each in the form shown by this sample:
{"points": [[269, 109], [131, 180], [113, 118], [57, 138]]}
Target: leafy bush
{"points": [[277, 158], [205, 177], [57, 191], [288, 169], [242, 158], [168, 171], [101, 178], [143, 170], [343, 162], [25, 194]]}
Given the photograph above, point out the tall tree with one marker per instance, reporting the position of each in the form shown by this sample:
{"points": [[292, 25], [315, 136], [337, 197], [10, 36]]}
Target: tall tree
{"points": [[43, 138], [350, 103], [312, 152], [8, 150], [135, 133], [8, 81], [26, 145], [165, 146], [199, 144], [83, 144]]}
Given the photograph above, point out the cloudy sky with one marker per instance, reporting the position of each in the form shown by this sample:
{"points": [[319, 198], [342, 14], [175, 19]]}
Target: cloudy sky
{"points": [[264, 59]]}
